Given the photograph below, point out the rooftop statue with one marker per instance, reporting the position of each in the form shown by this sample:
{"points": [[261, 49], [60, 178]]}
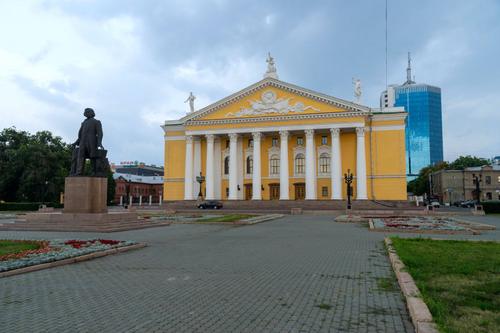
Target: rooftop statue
{"points": [[89, 145], [191, 99]]}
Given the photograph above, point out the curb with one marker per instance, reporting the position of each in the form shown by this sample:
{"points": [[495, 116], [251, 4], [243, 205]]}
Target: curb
{"points": [[67, 261], [419, 312]]}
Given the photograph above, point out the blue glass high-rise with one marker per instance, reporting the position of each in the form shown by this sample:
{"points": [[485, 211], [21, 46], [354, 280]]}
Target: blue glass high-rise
{"points": [[424, 124]]}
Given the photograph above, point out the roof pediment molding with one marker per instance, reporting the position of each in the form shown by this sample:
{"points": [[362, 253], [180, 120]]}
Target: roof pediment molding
{"points": [[350, 107]]}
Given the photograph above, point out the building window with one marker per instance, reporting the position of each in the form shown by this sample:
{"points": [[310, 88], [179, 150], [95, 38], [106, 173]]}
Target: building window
{"points": [[250, 143], [488, 180], [227, 192], [227, 143], [275, 165], [299, 164], [249, 164], [275, 142], [226, 165], [324, 191], [489, 196], [324, 163], [324, 140], [300, 141]]}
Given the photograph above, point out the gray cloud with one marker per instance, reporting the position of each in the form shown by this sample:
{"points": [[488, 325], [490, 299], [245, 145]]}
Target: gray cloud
{"points": [[135, 62]]}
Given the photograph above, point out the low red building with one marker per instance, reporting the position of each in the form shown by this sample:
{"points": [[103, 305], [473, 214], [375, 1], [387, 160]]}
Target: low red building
{"points": [[140, 189]]}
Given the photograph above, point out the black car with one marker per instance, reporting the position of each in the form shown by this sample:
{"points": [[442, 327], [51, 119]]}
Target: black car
{"points": [[467, 204], [210, 204]]}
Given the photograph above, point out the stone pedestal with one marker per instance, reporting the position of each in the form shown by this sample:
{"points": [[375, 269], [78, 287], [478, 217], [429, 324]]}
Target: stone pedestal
{"points": [[85, 195]]}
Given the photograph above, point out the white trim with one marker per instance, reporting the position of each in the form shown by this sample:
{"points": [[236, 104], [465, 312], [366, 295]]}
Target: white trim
{"points": [[392, 116], [386, 128], [270, 82], [175, 138], [274, 128]]}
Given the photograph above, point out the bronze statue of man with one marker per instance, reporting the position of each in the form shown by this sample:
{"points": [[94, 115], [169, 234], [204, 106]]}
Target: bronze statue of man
{"points": [[87, 145]]}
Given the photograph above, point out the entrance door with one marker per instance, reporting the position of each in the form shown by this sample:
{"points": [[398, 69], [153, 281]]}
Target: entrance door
{"points": [[274, 191], [300, 191], [248, 191]]}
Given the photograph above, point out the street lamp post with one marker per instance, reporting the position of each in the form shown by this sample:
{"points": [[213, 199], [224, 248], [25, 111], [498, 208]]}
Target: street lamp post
{"points": [[200, 179], [476, 180], [348, 180]]}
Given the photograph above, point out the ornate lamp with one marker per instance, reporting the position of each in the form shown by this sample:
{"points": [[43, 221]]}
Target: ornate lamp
{"points": [[348, 180]]}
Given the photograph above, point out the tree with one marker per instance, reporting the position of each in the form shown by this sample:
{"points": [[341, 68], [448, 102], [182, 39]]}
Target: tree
{"points": [[420, 185], [467, 161], [32, 167]]}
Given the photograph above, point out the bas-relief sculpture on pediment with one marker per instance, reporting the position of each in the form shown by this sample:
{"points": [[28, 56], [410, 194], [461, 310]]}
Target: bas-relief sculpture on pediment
{"points": [[271, 104]]}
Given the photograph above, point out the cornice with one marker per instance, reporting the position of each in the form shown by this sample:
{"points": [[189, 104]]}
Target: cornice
{"points": [[270, 82]]}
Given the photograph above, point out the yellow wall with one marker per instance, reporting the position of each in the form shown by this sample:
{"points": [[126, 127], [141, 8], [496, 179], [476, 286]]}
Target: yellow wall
{"points": [[386, 179]]}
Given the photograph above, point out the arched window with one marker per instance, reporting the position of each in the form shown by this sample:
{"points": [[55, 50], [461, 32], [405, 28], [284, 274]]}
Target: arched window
{"points": [[249, 165], [274, 164], [324, 163], [299, 164], [226, 165]]}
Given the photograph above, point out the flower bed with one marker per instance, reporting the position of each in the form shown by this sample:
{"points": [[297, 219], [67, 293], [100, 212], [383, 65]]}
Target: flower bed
{"points": [[58, 249]]}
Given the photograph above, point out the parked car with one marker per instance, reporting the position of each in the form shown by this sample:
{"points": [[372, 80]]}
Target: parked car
{"points": [[467, 204], [210, 204], [435, 204]]}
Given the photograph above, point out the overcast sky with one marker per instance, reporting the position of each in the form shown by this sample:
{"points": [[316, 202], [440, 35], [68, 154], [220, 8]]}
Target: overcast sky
{"points": [[135, 62]]}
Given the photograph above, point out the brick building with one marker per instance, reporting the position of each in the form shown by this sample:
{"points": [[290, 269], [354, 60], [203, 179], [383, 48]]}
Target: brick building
{"points": [[457, 185], [141, 189]]}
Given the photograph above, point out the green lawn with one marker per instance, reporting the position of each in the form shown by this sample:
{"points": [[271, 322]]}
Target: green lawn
{"points": [[459, 281], [226, 218], [7, 246]]}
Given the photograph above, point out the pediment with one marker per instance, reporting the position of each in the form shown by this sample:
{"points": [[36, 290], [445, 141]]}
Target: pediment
{"points": [[271, 98]]}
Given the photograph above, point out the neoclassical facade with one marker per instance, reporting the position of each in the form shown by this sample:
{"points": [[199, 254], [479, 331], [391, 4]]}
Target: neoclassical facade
{"points": [[277, 141]]}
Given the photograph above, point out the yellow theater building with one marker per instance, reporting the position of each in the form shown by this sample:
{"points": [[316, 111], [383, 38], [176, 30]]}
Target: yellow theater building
{"points": [[277, 141]]}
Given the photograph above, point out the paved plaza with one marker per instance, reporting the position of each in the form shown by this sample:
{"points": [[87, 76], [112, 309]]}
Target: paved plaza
{"points": [[294, 274]]}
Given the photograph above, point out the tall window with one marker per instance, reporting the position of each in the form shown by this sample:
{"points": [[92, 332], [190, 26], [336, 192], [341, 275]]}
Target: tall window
{"points": [[300, 141], [227, 143], [275, 142], [324, 163], [249, 165], [226, 165], [275, 165], [488, 180], [324, 140], [299, 164], [250, 143]]}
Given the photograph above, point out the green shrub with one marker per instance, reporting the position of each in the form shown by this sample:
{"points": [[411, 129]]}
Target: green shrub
{"points": [[491, 207]]}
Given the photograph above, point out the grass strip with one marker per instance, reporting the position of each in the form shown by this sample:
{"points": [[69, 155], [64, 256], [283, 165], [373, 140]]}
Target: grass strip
{"points": [[9, 247], [459, 281], [226, 218]]}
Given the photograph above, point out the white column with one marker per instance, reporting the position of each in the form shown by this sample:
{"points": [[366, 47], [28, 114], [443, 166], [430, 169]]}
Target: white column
{"points": [[130, 200], [233, 165], [217, 169], [284, 187], [160, 200], [256, 174], [121, 200], [360, 165], [140, 200], [310, 166], [196, 164], [210, 176], [188, 172], [150, 199], [336, 165]]}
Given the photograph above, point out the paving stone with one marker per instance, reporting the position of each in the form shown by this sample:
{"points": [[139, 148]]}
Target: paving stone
{"points": [[268, 277]]}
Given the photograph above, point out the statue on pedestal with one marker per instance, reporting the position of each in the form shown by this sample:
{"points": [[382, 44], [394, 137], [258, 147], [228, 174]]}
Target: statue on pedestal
{"points": [[89, 145]]}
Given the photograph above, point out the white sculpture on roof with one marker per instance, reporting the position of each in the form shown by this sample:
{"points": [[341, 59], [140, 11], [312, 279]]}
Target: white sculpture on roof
{"points": [[271, 68], [357, 89], [270, 103], [191, 99]]}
